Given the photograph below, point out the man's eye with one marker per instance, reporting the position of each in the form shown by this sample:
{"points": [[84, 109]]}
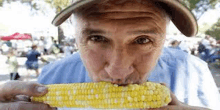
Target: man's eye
{"points": [[97, 38], [142, 40]]}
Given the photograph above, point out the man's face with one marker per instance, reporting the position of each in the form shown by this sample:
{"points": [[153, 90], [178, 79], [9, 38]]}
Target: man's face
{"points": [[121, 43]]}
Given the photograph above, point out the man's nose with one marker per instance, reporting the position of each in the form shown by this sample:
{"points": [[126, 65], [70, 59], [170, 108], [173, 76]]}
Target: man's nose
{"points": [[119, 66]]}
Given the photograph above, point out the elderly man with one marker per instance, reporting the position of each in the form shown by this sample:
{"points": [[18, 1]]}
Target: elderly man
{"points": [[121, 41]]}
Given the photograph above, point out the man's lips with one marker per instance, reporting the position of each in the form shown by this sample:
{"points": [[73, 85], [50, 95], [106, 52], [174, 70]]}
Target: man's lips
{"points": [[121, 84], [124, 84]]}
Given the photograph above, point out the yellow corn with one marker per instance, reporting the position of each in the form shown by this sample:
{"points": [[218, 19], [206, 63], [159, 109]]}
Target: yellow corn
{"points": [[106, 95]]}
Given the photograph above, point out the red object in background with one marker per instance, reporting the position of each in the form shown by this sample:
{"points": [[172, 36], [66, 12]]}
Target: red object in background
{"points": [[16, 36], [218, 41]]}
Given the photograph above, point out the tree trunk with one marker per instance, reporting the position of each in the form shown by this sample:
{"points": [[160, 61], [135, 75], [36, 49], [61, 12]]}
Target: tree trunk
{"points": [[60, 35]]}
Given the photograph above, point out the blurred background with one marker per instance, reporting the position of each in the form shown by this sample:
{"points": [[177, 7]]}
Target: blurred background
{"points": [[24, 23]]}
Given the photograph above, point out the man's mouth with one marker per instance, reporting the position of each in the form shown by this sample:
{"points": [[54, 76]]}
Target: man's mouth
{"points": [[124, 84]]}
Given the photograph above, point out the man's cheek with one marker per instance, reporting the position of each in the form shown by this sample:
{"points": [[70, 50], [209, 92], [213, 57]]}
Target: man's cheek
{"points": [[93, 62], [146, 63], [93, 59]]}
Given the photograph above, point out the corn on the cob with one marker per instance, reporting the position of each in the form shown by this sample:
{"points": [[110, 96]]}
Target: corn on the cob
{"points": [[106, 95]]}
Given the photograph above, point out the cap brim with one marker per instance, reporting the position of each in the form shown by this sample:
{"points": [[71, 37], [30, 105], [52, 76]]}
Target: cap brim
{"points": [[183, 19]]}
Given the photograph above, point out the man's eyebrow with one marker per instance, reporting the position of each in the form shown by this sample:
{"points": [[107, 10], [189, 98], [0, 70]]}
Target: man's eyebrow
{"points": [[152, 31], [89, 31]]}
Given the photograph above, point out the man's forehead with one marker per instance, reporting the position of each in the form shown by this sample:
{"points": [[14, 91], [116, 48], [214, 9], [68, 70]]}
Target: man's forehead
{"points": [[122, 6], [128, 14]]}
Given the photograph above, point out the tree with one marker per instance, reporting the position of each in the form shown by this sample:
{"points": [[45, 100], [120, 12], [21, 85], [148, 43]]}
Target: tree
{"points": [[1, 2], [59, 5], [214, 31], [199, 7]]}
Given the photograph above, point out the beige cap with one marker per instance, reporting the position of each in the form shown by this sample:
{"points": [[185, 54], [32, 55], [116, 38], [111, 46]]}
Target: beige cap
{"points": [[183, 19]]}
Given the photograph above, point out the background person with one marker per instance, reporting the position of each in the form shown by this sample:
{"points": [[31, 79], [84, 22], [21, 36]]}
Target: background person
{"points": [[56, 48], [207, 47], [175, 44], [13, 65], [32, 60], [8, 43], [41, 45], [67, 50], [183, 45]]}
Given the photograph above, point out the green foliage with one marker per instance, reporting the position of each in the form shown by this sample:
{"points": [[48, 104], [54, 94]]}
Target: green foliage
{"points": [[196, 4], [9, 1], [59, 4], [199, 6], [1, 2], [191, 4], [214, 31]]}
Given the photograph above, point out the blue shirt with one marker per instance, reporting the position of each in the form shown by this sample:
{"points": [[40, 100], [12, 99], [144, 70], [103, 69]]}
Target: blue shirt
{"points": [[32, 55], [188, 77]]}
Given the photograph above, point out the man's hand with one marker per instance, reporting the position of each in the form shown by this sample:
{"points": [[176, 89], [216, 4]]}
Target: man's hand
{"points": [[15, 95]]}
